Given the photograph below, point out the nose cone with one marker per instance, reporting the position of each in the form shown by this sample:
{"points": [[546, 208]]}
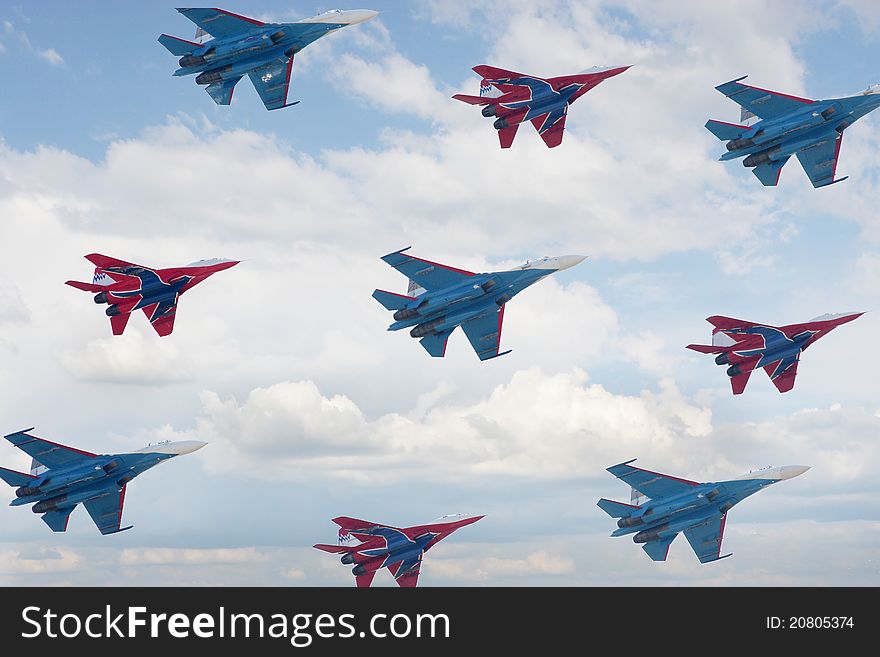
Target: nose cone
{"points": [[184, 447], [567, 262], [470, 521], [792, 471], [355, 16]]}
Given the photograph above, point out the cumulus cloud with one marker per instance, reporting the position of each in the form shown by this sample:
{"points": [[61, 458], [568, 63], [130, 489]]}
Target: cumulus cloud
{"points": [[536, 426], [283, 363], [195, 557], [131, 358]]}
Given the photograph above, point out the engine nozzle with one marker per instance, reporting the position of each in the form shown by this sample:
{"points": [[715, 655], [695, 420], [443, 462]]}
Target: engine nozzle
{"points": [[404, 313], [422, 330], [188, 61], [48, 505], [347, 558], [501, 123], [210, 77], [739, 144], [112, 310], [722, 359], [757, 159], [26, 491], [629, 522], [101, 297], [649, 535], [734, 370], [489, 110]]}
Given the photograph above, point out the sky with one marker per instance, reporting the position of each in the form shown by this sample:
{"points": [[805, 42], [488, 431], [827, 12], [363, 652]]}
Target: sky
{"points": [[312, 410]]}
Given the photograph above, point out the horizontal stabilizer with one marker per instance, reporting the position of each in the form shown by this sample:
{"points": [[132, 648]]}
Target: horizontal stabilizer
{"points": [[725, 131], [436, 344], [725, 323], [769, 174], [352, 524], [474, 100], [221, 92], [105, 262], [364, 581], [107, 532], [507, 135], [707, 348], [391, 300], [86, 287], [333, 549], [178, 46], [615, 509], [57, 520], [493, 73], [14, 478], [658, 550]]}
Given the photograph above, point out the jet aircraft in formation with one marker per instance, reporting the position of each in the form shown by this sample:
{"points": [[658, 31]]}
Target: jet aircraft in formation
{"points": [[245, 46], [62, 477], [127, 287], [745, 346], [455, 297], [789, 125], [679, 505], [514, 98], [400, 550]]}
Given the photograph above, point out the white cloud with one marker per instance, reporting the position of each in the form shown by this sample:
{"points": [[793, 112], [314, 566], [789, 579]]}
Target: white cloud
{"points": [[51, 55], [536, 426], [13, 309], [356, 415], [11, 32], [42, 560], [129, 358], [195, 557]]}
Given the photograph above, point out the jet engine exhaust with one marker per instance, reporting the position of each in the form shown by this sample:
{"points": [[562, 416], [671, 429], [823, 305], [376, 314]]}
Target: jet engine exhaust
{"points": [[422, 330]]}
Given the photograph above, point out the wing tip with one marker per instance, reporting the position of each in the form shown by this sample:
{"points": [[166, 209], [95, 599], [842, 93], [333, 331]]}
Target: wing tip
{"points": [[22, 432], [394, 253], [724, 84], [618, 465]]}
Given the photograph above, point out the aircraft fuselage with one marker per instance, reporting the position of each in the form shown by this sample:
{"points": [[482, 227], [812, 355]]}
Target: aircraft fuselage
{"points": [[444, 309], [775, 139], [232, 57]]}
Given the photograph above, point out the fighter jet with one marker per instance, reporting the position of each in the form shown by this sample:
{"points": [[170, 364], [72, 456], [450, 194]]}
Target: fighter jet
{"points": [[514, 98], [680, 505], [62, 477], [442, 298], [789, 125], [126, 287], [241, 45], [400, 550], [746, 346]]}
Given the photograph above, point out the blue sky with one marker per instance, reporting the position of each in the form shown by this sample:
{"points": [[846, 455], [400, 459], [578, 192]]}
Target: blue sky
{"points": [[283, 364]]}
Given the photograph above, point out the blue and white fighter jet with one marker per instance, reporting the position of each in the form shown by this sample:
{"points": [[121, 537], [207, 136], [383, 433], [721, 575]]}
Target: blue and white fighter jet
{"points": [[680, 505], [245, 46], [441, 298], [62, 477], [789, 125]]}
